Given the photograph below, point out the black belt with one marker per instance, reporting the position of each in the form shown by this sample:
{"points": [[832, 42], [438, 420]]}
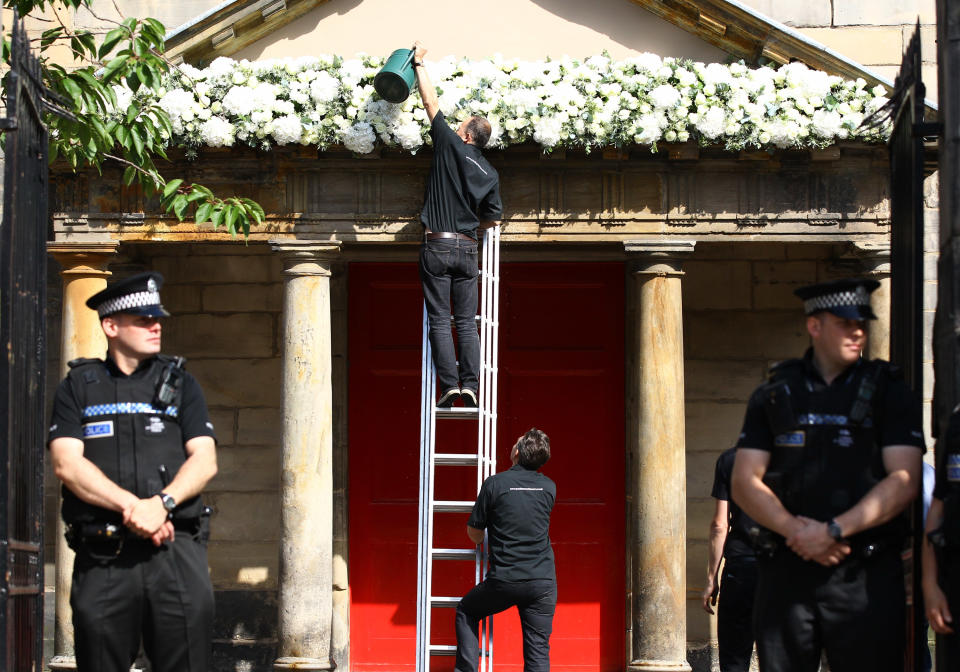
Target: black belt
{"points": [[438, 235]]}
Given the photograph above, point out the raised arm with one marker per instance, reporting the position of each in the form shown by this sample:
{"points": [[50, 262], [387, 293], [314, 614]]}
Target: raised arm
{"points": [[428, 94]]}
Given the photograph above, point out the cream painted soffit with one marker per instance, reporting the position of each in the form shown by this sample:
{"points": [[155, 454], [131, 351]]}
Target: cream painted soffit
{"points": [[231, 26]]}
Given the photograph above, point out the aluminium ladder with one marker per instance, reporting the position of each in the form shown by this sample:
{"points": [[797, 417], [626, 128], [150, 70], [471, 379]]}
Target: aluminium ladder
{"points": [[484, 460]]}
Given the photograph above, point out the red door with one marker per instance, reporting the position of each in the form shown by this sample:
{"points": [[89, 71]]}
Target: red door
{"points": [[561, 370]]}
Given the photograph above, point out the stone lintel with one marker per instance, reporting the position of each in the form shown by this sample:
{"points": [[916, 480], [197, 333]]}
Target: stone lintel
{"points": [[660, 257]]}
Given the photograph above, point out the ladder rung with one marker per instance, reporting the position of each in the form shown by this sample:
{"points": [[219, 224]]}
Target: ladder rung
{"points": [[449, 506], [456, 459], [444, 601], [443, 650], [458, 413], [454, 554]]}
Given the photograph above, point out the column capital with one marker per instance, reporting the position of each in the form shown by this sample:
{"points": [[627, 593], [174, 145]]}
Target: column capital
{"points": [[874, 256], [306, 257], [658, 257], [86, 259]]}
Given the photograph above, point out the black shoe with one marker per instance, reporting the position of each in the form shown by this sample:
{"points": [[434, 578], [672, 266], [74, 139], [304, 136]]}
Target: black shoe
{"points": [[468, 397], [448, 397]]}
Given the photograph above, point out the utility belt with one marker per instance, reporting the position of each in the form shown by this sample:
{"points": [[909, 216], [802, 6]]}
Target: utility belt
{"points": [[107, 541], [767, 544]]}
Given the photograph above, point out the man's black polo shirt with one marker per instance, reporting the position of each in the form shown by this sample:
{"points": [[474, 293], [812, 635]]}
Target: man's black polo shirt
{"points": [[514, 506], [738, 545], [463, 189]]}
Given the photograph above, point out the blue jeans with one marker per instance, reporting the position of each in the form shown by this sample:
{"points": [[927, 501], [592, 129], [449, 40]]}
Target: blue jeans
{"points": [[536, 600], [448, 271]]}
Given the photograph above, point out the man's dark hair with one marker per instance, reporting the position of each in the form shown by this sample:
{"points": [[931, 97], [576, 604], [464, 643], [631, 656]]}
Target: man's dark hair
{"points": [[533, 449], [479, 130]]}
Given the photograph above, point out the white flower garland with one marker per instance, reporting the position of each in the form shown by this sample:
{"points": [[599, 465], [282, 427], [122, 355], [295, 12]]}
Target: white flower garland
{"points": [[591, 103]]}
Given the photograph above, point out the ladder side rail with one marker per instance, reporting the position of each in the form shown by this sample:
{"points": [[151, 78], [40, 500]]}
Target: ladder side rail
{"points": [[425, 508], [491, 462]]}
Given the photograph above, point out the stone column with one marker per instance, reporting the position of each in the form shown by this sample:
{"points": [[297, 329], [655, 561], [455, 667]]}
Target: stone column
{"points": [[657, 496], [874, 261], [84, 274], [306, 482]]}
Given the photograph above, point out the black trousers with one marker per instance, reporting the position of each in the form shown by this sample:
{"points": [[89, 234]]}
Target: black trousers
{"points": [[738, 585], [948, 646], [448, 272], [853, 612], [163, 595], [536, 601]]}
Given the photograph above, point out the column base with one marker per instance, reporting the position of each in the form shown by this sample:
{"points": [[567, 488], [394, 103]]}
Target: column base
{"points": [[293, 663], [62, 663], [659, 666]]}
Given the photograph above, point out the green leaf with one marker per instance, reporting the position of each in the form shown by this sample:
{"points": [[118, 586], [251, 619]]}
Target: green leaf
{"points": [[180, 206], [89, 42], [232, 213], [114, 67], [217, 216], [133, 82], [203, 213], [171, 187], [131, 24], [129, 174], [111, 40]]}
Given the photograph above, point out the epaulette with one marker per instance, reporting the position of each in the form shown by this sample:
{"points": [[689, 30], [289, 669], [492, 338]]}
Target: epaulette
{"points": [[166, 359], [80, 361], [784, 368]]}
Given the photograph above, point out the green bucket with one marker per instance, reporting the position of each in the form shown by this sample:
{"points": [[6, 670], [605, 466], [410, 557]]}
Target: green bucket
{"points": [[395, 79]]}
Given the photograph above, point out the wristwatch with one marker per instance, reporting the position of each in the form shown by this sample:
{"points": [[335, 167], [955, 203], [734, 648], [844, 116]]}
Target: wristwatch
{"points": [[169, 503], [834, 530]]}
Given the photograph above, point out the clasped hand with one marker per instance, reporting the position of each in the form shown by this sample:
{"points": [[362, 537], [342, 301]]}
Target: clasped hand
{"points": [[811, 541], [147, 518]]}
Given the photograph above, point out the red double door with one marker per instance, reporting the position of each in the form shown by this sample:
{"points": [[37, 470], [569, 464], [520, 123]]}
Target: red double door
{"points": [[561, 370]]}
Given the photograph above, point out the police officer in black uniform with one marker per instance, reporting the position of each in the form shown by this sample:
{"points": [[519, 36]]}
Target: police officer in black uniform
{"points": [[514, 508], [730, 541], [828, 460], [941, 548], [133, 444]]}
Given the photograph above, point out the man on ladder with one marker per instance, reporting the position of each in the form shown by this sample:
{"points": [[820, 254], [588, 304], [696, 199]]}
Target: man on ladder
{"points": [[463, 194], [514, 508]]}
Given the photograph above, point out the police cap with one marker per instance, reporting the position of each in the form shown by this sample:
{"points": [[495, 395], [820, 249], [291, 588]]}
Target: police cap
{"points": [[848, 298], [138, 295]]}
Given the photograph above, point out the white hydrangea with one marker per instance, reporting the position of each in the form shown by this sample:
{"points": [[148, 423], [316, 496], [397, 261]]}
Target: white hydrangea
{"points": [[826, 124], [324, 87], [286, 129], [664, 97], [217, 132], [359, 138], [712, 124]]}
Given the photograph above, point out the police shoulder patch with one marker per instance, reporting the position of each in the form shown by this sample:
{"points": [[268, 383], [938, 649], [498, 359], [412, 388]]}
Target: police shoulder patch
{"points": [[953, 468], [98, 430], [790, 440]]}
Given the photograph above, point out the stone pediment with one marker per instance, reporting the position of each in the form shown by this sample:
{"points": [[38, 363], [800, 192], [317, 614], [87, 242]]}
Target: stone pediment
{"points": [[714, 30]]}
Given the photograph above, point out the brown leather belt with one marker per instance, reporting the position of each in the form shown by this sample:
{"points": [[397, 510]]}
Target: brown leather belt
{"points": [[430, 235]]}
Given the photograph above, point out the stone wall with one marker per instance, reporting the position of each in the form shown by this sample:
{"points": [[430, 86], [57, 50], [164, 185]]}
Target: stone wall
{"points": [[740, 316], [872, 32]]}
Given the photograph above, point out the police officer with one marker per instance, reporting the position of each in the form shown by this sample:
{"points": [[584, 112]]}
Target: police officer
{"points": [[828, 460], [133, 444], [941, 548], [514, 508], [730, 541]]}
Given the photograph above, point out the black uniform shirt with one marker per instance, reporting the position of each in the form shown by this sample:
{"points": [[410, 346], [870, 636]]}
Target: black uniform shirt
{"points": [[463, 188], [948, 463], [738, 544], [514, 506], [899, 421], [67, 419]]}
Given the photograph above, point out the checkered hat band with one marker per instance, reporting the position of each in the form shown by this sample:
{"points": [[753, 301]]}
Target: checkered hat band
{"points": [[128, 301], [852, 297]]}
